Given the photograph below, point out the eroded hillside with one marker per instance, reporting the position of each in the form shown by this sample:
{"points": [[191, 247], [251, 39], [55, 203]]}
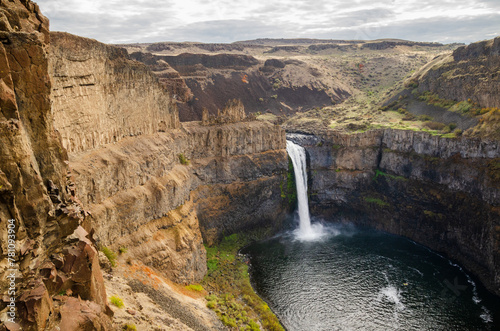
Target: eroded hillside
{"points": [[282, 77]]}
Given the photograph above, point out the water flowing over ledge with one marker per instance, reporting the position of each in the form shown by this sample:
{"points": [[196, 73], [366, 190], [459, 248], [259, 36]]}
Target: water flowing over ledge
{"points": [[306, 231]]}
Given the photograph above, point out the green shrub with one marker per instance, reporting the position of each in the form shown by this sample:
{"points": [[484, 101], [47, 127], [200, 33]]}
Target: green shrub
{"points": [[122, 250], [195, 287], [115, 300], [229, 321], [434, 99], [252, 326], [452, 126], [110, 255], [457, 132], [463, 107], [376, 201], [129, 327], [183, 159]]}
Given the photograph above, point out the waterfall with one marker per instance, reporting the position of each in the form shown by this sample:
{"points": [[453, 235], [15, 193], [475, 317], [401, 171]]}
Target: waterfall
{"points": [[306, 231]]}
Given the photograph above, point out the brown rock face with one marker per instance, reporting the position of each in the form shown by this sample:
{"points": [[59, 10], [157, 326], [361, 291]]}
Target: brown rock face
{"points": [[100, 96], [234, 111], [159, 208], [168, 76], [77, 314], [35, 189]]}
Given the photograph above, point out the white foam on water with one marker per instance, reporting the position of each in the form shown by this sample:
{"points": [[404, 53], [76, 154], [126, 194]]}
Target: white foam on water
{"points": [[486, 316], [392, 295]]}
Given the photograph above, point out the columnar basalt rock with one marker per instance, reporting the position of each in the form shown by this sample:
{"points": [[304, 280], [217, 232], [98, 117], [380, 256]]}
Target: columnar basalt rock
{"points": [[441, 192], [234, 111], [100, 96]]}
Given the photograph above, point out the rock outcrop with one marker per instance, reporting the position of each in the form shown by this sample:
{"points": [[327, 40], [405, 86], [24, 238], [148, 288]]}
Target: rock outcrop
{"points": [[471, 72], [234, 111], [46, 251], [443, 193]]}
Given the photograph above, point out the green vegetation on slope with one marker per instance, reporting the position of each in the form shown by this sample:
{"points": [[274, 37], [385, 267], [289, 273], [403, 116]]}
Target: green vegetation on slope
{"points": [[233, 298]]}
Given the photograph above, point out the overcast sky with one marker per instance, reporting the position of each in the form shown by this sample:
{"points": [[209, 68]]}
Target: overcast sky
{"points": [[126, 21]]}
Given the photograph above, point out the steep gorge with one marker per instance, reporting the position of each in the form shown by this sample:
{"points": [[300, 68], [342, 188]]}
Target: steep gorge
{"points": [[139, 179]]}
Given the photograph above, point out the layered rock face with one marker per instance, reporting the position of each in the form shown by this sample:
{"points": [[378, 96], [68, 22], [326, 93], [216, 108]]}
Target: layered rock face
{"points": [[142, 197], [48, 252], [443, 193], [100, 96], [165, 191], [470, 72]]}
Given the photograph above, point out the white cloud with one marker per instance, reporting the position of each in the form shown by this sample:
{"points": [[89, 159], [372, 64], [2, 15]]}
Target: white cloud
{"points": [[115, 21]]}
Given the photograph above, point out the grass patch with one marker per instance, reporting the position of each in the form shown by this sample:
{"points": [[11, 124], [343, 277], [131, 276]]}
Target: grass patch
{"points": [[182, 159], [431, 214], [377, 201], [463, 107], [233, 298], [110, 255], [129, 327], [116, 301], [122, 250], [195, 288], [380, 173]]}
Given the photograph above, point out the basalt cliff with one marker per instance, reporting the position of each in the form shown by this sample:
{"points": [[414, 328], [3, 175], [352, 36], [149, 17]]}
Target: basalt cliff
{"points": [[95, 158]]}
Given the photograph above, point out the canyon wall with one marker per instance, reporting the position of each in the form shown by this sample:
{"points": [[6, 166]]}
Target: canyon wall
{"points": [[100, 96], [443, 193], [136, 188], [43, 250], [164, 192]]}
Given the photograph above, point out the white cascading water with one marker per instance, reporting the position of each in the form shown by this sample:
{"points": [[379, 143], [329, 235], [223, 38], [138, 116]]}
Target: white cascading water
{"points": [[306, 231]]}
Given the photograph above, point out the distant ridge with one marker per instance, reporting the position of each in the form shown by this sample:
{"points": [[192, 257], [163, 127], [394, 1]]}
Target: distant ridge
{"points": [[309, 41]]}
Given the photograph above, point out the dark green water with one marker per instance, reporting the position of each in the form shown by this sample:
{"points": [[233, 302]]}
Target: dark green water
{"points": [[361, 279]]}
